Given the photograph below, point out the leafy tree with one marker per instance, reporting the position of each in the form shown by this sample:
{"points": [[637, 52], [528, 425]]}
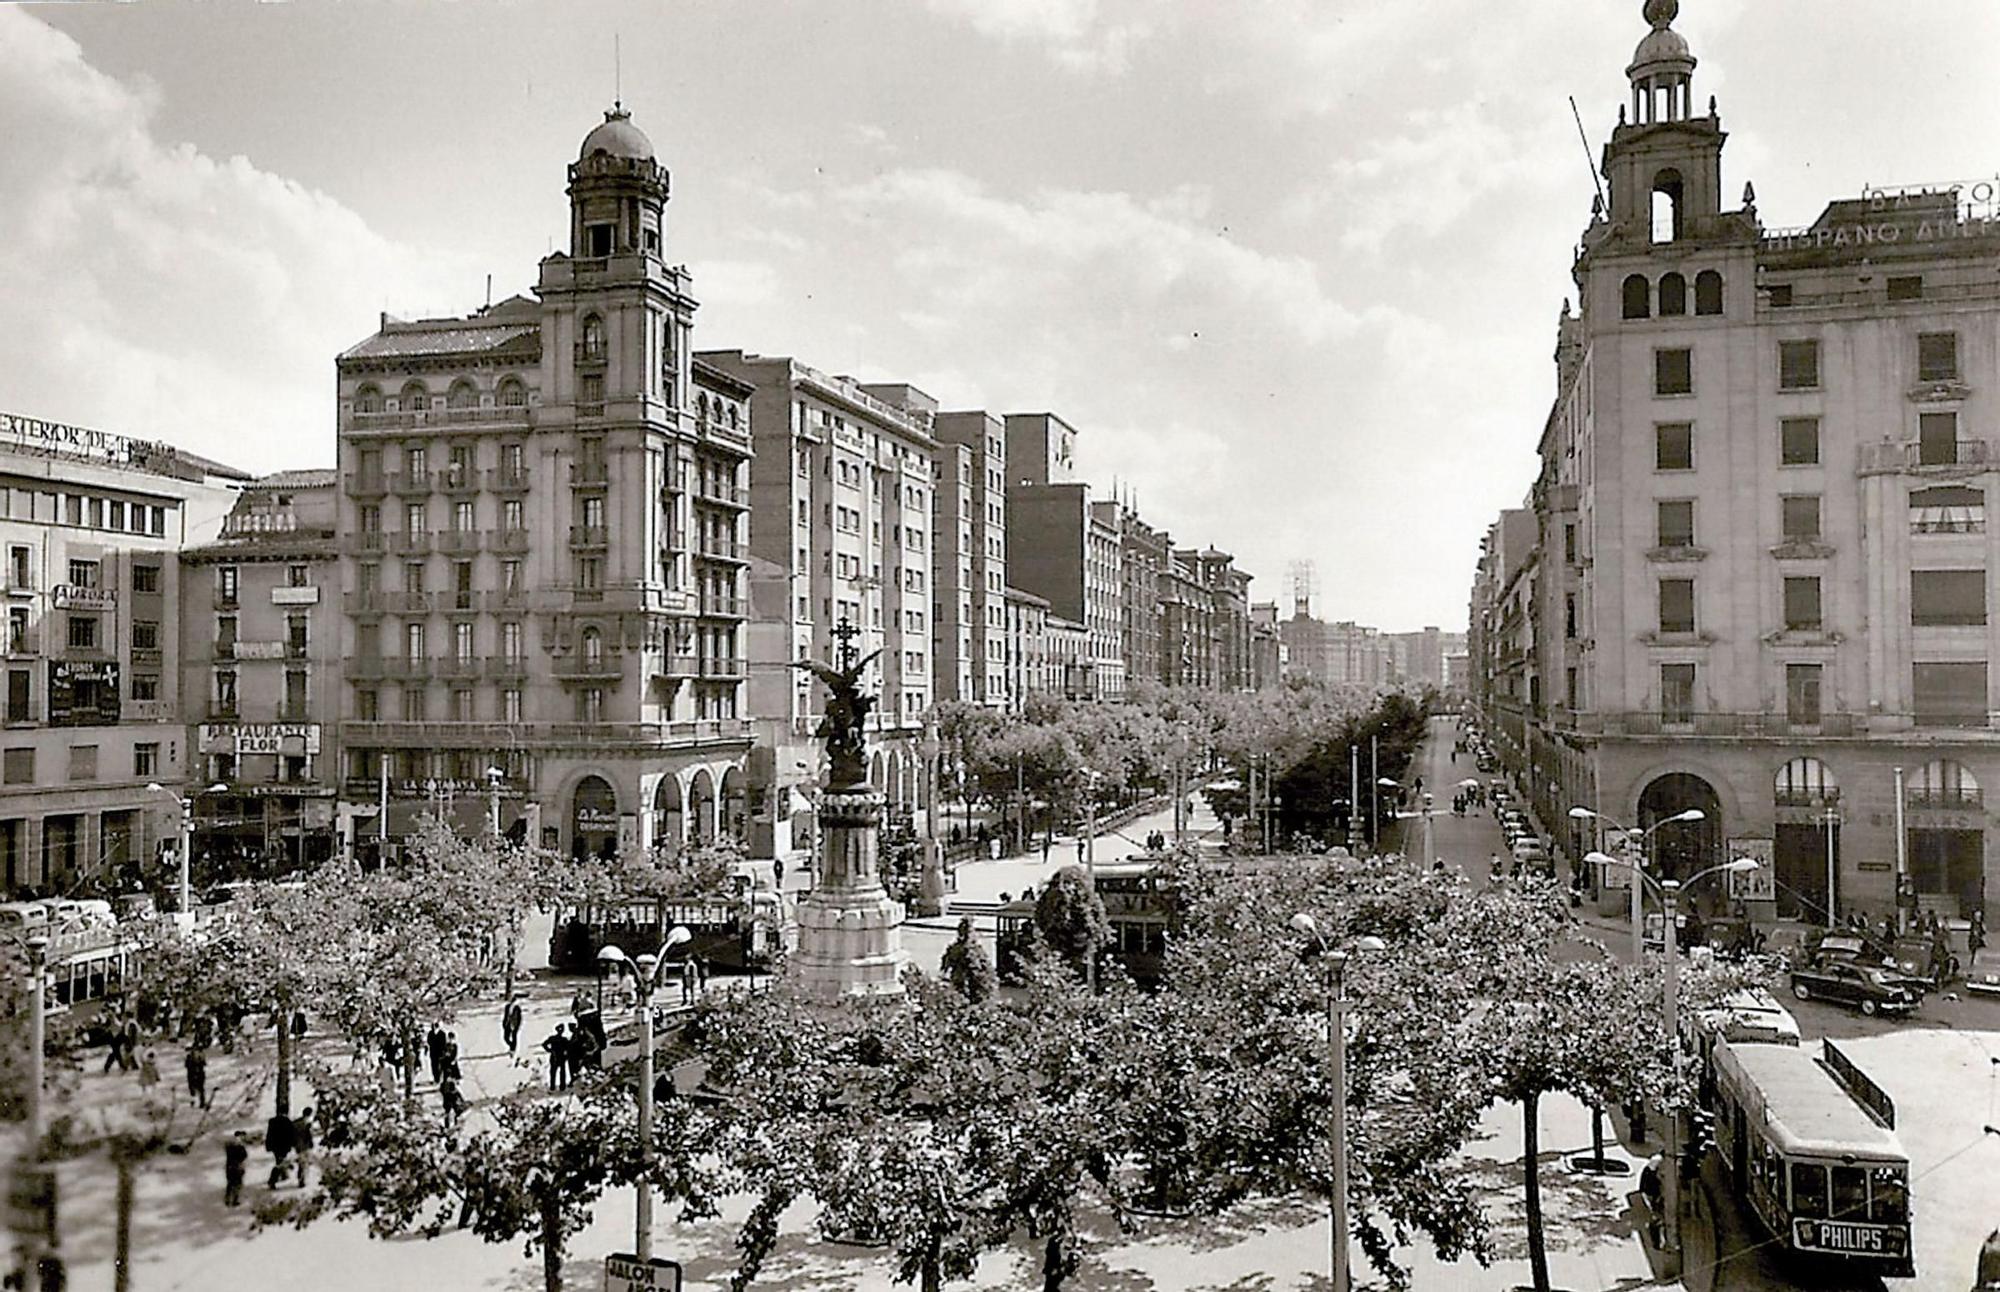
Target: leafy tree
{"points": [[1071, 917], [967, 967]]}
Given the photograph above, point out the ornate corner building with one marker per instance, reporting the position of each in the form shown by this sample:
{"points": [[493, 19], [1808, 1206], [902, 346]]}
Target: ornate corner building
{"points": [[543, 508], [1754, 574]]}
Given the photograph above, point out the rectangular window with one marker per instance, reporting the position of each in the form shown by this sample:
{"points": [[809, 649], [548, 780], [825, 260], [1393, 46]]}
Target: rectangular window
{"points": [[226, 583], [145, 635], [296, 576], [1676, 605], [17, 630], [413, 704], [116, 518], [83, 574], [367, 704], [83, 762], [462, 519], [1673, 446], [295, 693], [1798, 365], [371, 519], [19, 573], [1569, 544], [1673, 372], [510, 704], [145, 686], [1798, 442], [82, 632], [1947, 598], [1937, 356], [1677, 693], [145, 578], [1937, 439], [1799, 515], [461, 704], [145, 759], [1674, 522], [296, 627], [1949, 695], [510, 577], [1802, 610], [413, 640], [1906, 287], [1948, 509], [461, 642], [19, 709], [414, 521]]}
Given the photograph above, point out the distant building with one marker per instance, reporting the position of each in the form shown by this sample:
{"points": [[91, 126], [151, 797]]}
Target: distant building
{"points": [[1063, 547], [972, 532]]}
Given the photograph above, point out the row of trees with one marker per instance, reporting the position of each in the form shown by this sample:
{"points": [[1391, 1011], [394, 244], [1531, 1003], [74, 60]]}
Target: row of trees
{"points": [[948, 1122], [1063, 755]]}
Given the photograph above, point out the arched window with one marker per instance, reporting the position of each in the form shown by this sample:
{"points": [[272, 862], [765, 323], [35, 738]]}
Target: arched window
{"points": [[1638, 297], [415, 397], [732, 417], [593, 645], [1708, 292], [593, 337], [1943, 784], [368, 399], [1667, 190], [1673, 295], [512, 393], [463, 395], [1805, 782]]}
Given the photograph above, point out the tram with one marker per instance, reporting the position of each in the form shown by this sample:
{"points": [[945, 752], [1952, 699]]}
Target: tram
{"points": [[1815, 1156]]}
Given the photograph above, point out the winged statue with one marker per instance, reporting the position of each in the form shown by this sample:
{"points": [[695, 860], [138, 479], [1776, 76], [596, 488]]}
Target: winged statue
{"points": [[846, 711]]}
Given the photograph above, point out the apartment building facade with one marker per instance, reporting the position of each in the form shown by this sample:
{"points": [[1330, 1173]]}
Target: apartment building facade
{"points": [[977, 519]]}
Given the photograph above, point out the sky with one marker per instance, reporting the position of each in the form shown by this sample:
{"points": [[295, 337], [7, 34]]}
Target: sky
{"points": [[1291, 267]]}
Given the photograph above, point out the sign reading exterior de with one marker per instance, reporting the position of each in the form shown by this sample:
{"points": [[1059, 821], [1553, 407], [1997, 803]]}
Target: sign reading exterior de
{"points": [[259, 738], [624, 1273]]}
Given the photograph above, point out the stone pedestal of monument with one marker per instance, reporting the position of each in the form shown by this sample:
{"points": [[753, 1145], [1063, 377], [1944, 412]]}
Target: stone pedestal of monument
{"points": [[850, 931]]}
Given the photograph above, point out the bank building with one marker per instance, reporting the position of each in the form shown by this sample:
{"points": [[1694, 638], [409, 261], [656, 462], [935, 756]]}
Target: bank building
{"points": [[1753, 575]]}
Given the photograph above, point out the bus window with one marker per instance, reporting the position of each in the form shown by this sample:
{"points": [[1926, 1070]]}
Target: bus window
{"points": [[1891, 1195], [1808, 1189], [1850, 1193]]}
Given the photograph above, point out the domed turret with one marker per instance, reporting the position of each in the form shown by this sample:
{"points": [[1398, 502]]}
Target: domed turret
{"points": [[1662, 69], [617, 137]]}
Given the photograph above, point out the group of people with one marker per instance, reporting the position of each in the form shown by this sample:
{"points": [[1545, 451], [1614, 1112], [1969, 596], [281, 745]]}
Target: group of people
{"points": [[289, 1141]]}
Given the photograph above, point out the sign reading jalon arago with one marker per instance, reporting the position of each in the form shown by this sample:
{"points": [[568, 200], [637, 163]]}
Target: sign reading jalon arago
{"points": [[624, 1273]]}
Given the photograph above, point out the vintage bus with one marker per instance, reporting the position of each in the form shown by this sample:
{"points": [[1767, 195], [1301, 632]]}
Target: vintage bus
{"points": [[744, 932], [1815, 1155]]}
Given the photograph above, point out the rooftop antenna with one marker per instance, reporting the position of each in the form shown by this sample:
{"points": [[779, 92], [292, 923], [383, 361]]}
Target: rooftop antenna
{"points": [[489, 291], [617, 74], [1584, 138]]}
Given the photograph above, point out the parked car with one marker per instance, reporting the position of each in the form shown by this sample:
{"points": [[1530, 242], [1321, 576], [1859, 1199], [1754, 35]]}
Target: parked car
{"points": [[1983, 978], [1911, 955], [1853, 948], [1870, 990]]}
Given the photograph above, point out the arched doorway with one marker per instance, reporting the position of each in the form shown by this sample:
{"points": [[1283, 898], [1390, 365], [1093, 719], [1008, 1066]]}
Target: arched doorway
{"points": [[876, 776], [735, 804], [669, 815], [1680, 848], [1806, 849], [701, 805], [892, 784], [1946, 810], [593, 818]]}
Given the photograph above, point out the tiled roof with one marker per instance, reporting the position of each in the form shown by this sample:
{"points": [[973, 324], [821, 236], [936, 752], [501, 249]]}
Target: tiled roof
{"points": [[512, 325], [299, 478]]}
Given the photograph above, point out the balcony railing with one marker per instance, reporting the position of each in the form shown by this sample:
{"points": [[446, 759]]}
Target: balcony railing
{"points": [[726, 494], [457, 541], [725, 607], [390, 666], [722, 549], [589, 473], [1917, 455], [449, 666], [369, 540], [457, 479], [514, 413], [1955, 799], [500, 600], [24, 643], [410, 484], [589, 536], [504, 481], [407, 544], [1652, 722], [680, 665], [222, 710], [507, 540], [364, 484], [506, 735], [506, 665], [587, 666], [725, 668]]}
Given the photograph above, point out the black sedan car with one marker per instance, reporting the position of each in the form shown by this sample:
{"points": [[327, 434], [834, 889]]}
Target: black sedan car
{"points": [[1870, 990]]}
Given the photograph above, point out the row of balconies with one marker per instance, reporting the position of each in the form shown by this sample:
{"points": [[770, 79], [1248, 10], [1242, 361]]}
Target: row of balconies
{"points": [[500, 414], [444, 667], [381, 602], [422, 484], [448, 541], [513, 735], [232, 711], [1779, 724], [1923, 455]]}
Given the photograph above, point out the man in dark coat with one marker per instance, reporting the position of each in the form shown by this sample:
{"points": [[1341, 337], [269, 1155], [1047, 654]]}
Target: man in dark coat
{"points": [[434, 1045], [235, 1161], [557, 1046], [197, 1075], [280, 1138], [510, 1023]]}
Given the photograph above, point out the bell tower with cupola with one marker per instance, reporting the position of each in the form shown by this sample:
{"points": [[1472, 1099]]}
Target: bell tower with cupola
{"points": [[1664, 164]]}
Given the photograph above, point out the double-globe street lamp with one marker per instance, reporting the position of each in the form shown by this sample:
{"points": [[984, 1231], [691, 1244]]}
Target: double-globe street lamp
{"points": [[645, 972], [1336, 1027], [1645, 836], [186, 911], [1670, 889]]}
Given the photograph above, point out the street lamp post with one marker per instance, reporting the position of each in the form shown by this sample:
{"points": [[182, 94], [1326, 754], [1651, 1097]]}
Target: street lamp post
{"points": [[930, 887], [493, 777], [645, 972], [1336, 1027], [1828, 820], [186, 911], [1670, 1172], [1638, 897]]}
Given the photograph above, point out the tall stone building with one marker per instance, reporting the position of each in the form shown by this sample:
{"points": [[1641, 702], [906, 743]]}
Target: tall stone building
{"points": [[1763, 570], [1065, 547], [1146, 552], [972, 518], [91, 524], [543, 510]]}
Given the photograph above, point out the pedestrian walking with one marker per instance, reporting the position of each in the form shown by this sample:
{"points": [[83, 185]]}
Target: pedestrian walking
{"points": [[778, 872], [510, 1023], [453, 1101], [128, 1051], [700, 975], [235, 1162], [149, 1072], [434, 1050], [687, 982], [280, 1138], [664, 1089], [448, 1066], [114, 1046], [302, 1141], [557, 1046], [586, 1051], [298, 1025], [204, 1031], [197, 1077]]}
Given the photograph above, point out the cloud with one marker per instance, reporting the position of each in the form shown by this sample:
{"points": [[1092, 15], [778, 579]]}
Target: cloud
{"points": [[177, 295], [1076, 33], [736, 282]]}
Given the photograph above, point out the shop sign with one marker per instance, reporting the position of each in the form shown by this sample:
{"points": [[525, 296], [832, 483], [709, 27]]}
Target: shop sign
{"points": [[1761, 884], [83, 693], [74, 596], [272, 738], [260, 650], [595, 820], [308, 596]]}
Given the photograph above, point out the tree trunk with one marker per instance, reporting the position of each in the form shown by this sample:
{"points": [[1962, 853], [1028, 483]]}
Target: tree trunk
{"points": [[121, 1261], [552, 1253], [284, 1063], [513, 952], [1538, 1256], [409, 1065], [933, 1277], [1597, 1133]]}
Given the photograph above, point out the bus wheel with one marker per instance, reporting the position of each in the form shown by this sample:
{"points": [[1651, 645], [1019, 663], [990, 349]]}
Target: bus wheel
{"points": [[1799, 989], [1868, 1008]]}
